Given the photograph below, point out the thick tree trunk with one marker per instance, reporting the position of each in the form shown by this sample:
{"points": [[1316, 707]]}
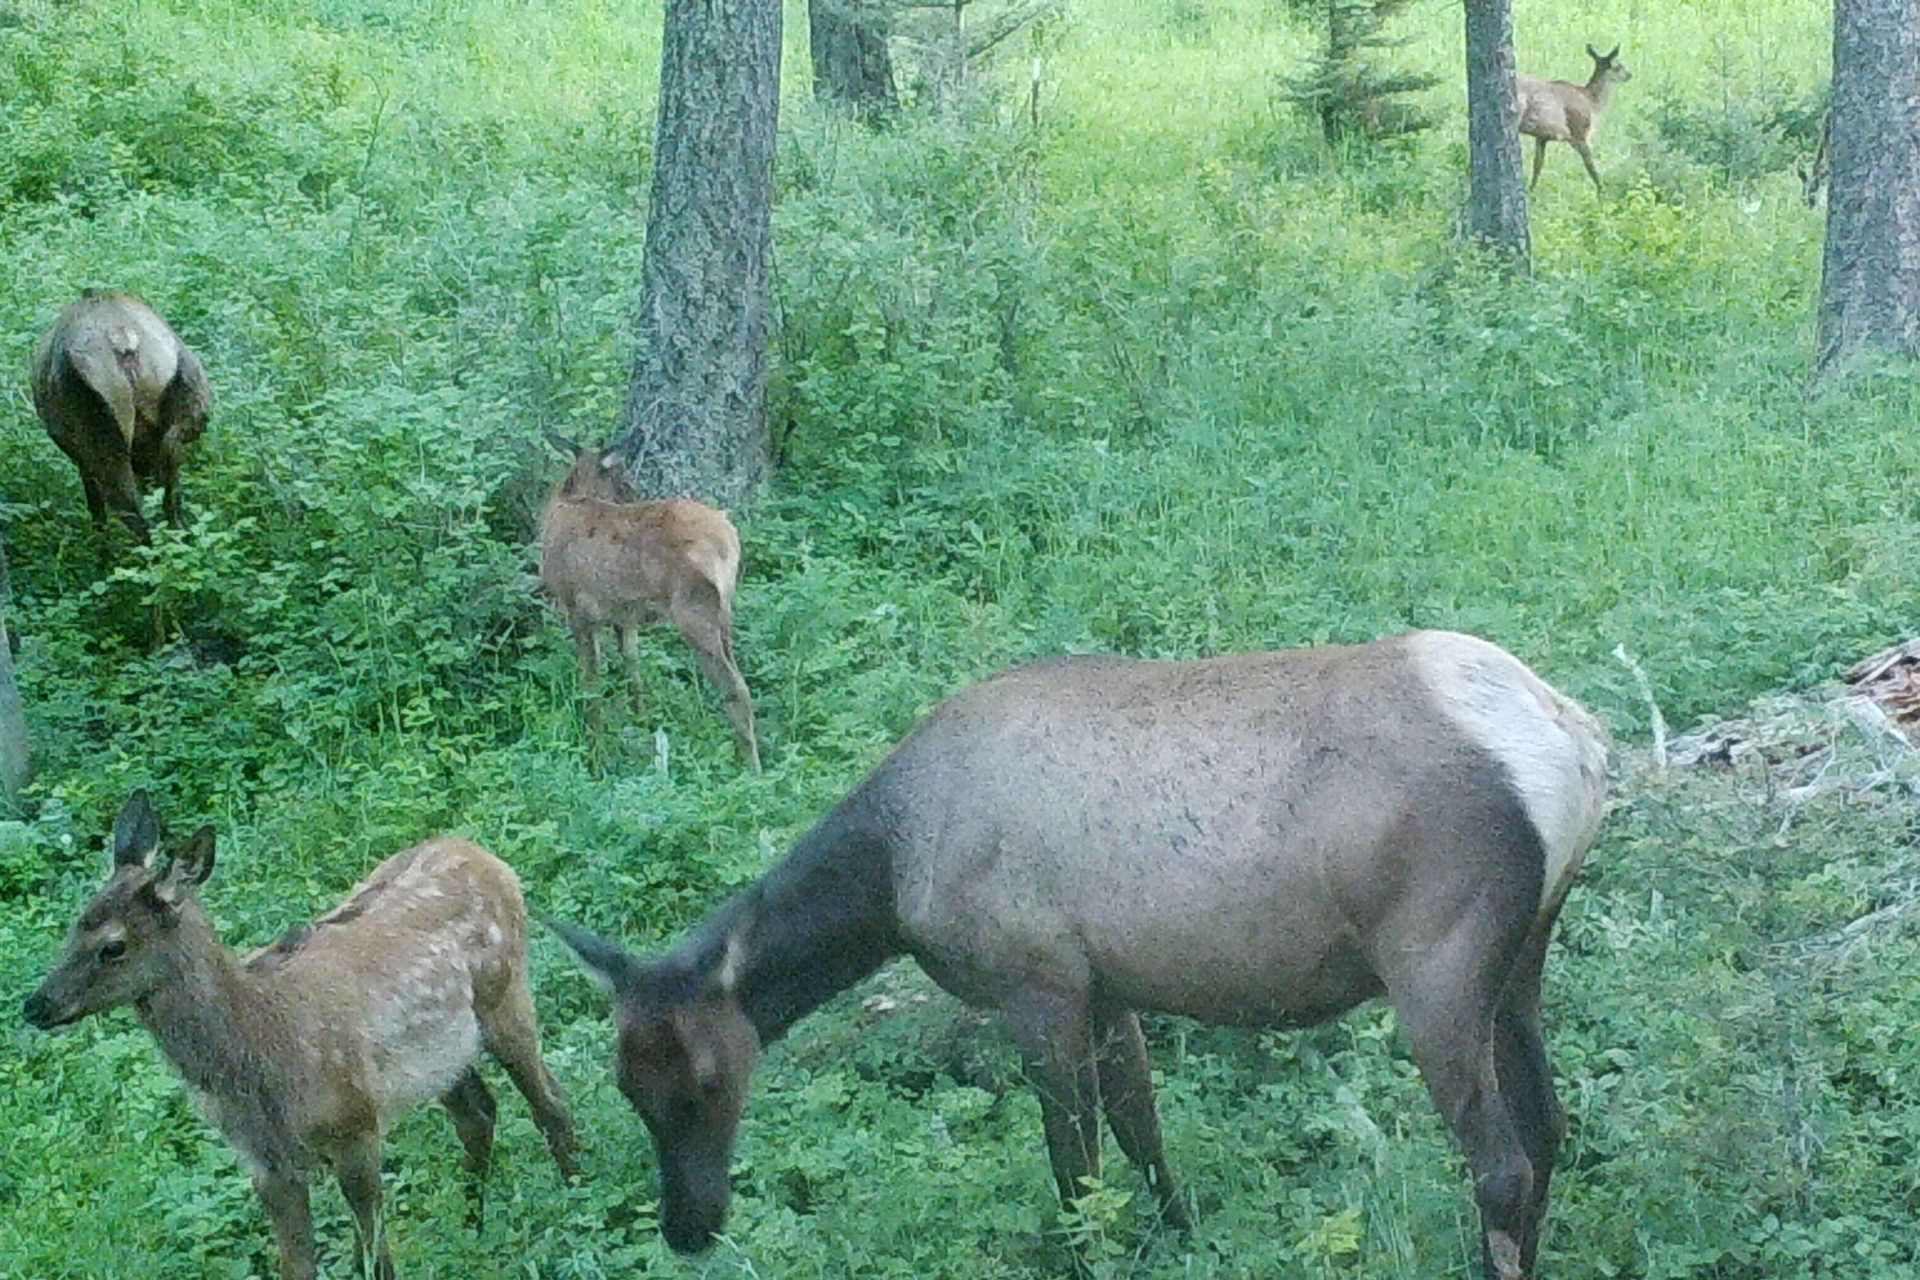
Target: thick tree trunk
{"points": [[1496, 186], [696, 418], [852, 63], [1870, 277], [16, 755]]}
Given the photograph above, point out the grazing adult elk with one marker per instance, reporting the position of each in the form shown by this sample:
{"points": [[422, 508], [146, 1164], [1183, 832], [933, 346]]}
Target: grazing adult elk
{"points": [[1557, 110], [1267, 839], [305, 1052], [610, 560], [122, 396]]}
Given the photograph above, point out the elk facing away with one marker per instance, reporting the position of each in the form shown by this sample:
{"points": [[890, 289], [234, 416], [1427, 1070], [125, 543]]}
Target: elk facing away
{"points": [[1266, 840], [304, 1053], [121, 395], [1556, 110], [611, 561]]}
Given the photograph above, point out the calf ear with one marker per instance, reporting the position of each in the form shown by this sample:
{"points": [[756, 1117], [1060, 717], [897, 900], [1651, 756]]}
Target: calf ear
{"points": [[136, 832]]}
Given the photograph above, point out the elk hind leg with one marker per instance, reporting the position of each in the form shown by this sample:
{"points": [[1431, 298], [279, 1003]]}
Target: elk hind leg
{"points": [[1126, 1092], [1526, 1082], [1539, 158], [705, 621], [1449, 1022], [586, 652]]}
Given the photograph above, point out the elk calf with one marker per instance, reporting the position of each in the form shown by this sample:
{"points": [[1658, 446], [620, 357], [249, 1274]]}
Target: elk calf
{"points": [[611, 561], [121, 395], [1553, 110], [305, 1052]]}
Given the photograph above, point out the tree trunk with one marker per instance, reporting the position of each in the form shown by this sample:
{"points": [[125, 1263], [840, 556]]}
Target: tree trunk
{"points": [[697, 414], [852, 63], [1870, 276], [16, 755], [1496, 177]]}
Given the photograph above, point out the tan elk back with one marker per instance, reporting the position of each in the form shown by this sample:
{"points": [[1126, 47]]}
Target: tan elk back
{"points": [[304, 1053], [611, 561], [122, 396], [1560, 111]]}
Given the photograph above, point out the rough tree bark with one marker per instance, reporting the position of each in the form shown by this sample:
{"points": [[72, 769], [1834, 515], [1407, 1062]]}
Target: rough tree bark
{"points": [[16, 756], [1870, 275], [1496, 176], [852, 62], [696, 415]]}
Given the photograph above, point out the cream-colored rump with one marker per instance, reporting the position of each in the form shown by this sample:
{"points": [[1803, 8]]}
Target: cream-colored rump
{"points": [[1554, 752]]}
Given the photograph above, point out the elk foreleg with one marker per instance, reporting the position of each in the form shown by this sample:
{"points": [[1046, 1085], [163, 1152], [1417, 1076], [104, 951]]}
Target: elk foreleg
{"points": [[586, 652], [471, 1106], [358, 1170], [288, 1210], [1586, 158], [1126, 1091], [1053, 1029], [512, 1036]]}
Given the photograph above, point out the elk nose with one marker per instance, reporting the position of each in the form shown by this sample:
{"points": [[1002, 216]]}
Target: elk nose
{"points": [[36, 1012]]}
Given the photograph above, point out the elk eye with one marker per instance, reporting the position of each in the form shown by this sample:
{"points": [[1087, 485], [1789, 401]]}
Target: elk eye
{"points": [[114, 950]]}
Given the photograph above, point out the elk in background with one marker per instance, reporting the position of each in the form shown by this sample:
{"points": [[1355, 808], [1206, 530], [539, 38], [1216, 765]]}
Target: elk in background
{"points": [[307, 1051], [122, 396], [610, 560], [1814, 173], [1557, 110], [1267, 839]]}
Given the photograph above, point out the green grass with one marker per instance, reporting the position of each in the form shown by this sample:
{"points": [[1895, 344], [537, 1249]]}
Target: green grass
{"points": [[1160, 376]]}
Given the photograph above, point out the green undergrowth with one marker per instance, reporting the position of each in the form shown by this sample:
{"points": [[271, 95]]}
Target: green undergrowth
{"points": [[1138, 366]]}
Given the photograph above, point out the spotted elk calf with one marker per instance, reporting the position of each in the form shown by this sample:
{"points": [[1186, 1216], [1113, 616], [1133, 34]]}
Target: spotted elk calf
{"points": [[1559, 111], [1265, 840], [122, 396], [609, 560], [305, 1053]]}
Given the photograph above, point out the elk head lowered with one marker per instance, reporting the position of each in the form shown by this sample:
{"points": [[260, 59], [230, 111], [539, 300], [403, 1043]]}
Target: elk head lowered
{"points": [[122, 396], [1265, 839], [610, 560], [305, 1052]]}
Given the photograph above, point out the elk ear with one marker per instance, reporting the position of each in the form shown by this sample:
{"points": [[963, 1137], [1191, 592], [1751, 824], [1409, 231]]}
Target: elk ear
{"points": [[136, 832], [188, 868], [605, 962], [1616, 53], [1595, 54]]}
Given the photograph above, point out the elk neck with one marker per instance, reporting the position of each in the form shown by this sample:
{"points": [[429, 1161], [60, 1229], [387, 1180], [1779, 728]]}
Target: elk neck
{"points": [[221, 1034], [822, 920]]}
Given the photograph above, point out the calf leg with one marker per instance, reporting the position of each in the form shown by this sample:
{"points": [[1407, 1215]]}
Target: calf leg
{"points": [[512, 1036], [1586, 158], [586, 652], [1126, 1091], [470, 1104], [1539, 158], [288, 1210], [358, 1170], [706, 623]]}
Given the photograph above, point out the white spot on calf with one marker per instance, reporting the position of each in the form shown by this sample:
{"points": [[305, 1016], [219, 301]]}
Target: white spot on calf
{"points": [[1554, 753]]}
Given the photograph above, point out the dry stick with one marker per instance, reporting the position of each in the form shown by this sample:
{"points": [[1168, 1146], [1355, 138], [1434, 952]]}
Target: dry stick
{"points": [[1653, 708]]}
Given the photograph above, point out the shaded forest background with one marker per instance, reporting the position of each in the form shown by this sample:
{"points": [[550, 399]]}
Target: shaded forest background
{"points": [[1135, 363]]}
